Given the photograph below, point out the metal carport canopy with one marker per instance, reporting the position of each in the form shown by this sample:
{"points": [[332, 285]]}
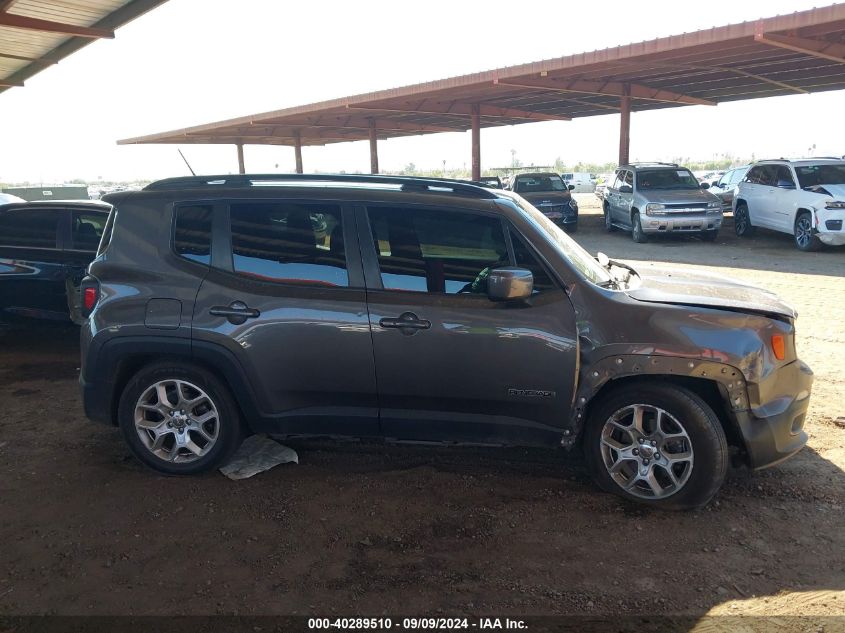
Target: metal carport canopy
{"points": [[35, 34], [803, 52]]}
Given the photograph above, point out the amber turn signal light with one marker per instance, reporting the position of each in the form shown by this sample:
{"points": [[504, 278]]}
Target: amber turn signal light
{"points": [[779, 346]]}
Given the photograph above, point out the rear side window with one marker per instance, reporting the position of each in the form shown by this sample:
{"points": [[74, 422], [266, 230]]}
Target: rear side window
{"points": [[762, 175], [192, 232], [289, 243], [436, 251], [87, 229], [29, 228]]}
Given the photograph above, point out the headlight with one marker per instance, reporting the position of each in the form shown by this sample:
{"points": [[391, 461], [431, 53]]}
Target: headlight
{"points": [[655, 209], [834, 204], [573, 205], [715, 204]]}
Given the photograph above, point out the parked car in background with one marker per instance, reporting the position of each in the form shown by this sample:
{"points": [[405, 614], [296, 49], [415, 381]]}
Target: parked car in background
{"points": [[551, 196], [805, 198], [652, 198], [484, 322], [726, 186], [581, 182], [491, 181], [44, 250]]}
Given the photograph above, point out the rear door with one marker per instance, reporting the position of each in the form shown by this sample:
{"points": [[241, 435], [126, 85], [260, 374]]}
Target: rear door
{"points": [[285, 297], [32, 269], [758, 193], [452, 365]]}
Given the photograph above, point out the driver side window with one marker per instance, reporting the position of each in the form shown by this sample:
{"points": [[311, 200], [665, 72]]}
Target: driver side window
{"points": [[426, 250]]}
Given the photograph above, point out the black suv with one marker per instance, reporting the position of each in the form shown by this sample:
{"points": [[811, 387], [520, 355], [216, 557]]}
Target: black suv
{"points": [[45, 248], [423, 310]]}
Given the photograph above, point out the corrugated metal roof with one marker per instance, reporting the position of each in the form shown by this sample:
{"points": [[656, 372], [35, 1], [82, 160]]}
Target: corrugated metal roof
{"points": [[35, 34], [797, 53]]}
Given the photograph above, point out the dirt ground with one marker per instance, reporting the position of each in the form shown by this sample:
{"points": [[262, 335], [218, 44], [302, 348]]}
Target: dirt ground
{"points": [[371, 529]]}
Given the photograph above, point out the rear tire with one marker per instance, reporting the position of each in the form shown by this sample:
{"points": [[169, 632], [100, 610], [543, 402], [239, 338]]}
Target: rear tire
{"points": [[805, 239], [679, 432], [202, 435], [742, 221], [637, 233]]}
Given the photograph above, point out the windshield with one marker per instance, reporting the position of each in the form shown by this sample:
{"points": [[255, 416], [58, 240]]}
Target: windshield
{"points": [[825, 174], [539, 182], [652, 179], [581, 259]]}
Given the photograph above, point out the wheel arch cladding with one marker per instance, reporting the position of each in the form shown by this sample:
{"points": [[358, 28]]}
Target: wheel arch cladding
{"points": [[721, 386]]}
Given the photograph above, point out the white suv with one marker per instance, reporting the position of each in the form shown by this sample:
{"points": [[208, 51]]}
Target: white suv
{"points": [[805, 198]]}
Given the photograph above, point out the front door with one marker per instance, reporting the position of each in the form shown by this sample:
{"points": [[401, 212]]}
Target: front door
{"points": [[285, 297], [451, 364]]}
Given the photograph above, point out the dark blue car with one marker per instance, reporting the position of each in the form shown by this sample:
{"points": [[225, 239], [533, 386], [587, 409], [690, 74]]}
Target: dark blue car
{"points": [[45, 248]]}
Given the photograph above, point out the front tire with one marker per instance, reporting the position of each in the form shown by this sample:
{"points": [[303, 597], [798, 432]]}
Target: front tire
{"points": [[608, 222], [637, 233], [660, 445], [179, 419], [742, 221], [805, 239]]}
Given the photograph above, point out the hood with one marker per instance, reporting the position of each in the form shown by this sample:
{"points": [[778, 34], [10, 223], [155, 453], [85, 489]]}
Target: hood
{"points": [[678, 196], [837, 191], [553, 197], [680, 287]]}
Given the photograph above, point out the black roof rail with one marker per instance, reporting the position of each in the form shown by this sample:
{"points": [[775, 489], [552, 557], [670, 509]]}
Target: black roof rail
{"points": [[406, 183]]}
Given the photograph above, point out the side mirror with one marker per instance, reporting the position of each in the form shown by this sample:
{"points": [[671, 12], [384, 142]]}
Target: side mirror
{"points": [[510, 284], [626, 189], [571, 187], [705, 185]]}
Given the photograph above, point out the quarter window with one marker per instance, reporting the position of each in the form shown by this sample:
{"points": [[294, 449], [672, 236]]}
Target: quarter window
{"points": [[436, 251], [192, 232], [289, 243], [29, 228]]}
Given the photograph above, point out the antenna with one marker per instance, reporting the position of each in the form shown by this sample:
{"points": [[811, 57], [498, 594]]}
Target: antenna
{"points": [[186, 161]]}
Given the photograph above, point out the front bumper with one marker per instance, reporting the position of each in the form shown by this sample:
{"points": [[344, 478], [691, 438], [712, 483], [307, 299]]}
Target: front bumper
{"points": [[832, 239], [774, 431], [681, 223]]}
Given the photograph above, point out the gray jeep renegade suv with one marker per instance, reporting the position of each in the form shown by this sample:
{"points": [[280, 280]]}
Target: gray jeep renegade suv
{"points": [[424, 310]]}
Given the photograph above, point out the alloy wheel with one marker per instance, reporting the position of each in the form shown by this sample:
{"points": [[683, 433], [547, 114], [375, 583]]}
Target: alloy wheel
{"points": [[803, 231], [646, 451], [740, 221], [177, 421]]}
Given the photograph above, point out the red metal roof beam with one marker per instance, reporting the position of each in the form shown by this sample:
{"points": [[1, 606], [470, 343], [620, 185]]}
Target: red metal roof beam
{"points": [[463, 109], [34, 24], [817, 48], [604, 88]]}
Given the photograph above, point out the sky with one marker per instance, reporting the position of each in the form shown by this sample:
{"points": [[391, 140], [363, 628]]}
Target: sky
{"points": [[190, 62]]}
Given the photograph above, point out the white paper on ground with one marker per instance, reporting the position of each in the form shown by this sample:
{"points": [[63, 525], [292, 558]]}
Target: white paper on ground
{"points": [[257, 454]]}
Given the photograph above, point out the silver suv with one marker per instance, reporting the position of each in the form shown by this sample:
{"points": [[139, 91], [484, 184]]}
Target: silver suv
{"points": [[647, 198]]}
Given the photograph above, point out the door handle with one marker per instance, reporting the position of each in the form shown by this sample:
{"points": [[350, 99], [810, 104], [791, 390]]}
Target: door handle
{"points": [[407, 323], [236, 312]]}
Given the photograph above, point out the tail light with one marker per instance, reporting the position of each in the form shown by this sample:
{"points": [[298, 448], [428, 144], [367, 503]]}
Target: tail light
{"points": [[90, 291]]}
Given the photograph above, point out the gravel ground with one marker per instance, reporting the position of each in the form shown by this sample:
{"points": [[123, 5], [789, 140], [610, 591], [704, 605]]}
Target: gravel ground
{"points": [[366, 528]]}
